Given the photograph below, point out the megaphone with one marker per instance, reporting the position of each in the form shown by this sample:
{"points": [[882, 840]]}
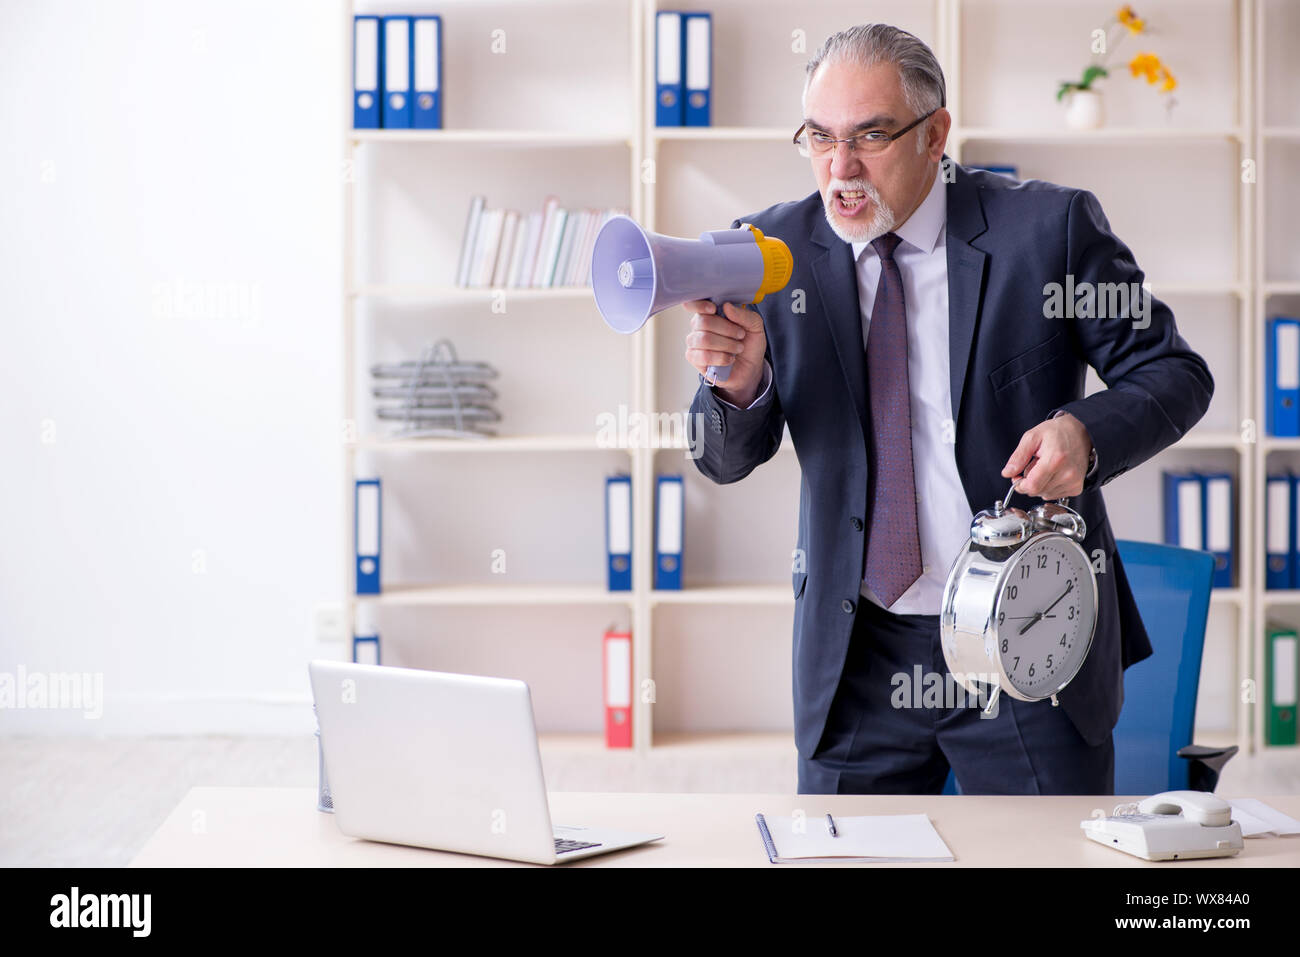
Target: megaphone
{"points": [[636, 273]]}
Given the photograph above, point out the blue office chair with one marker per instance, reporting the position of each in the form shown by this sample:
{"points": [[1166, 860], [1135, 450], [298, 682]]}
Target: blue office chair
{"points": [[1153, 749], [1153, 739]]}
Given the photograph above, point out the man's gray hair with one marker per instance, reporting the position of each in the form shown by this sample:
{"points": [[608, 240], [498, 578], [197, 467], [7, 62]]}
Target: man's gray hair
{"points": [[871, 43]]}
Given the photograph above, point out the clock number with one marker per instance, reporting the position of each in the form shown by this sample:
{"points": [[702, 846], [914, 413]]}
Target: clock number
{"points": [[1004, 645], [1017, 663], [1002, 616], [1070, 613], [1042, 561], [1024, 570], [1049, 662], [1011, 590], [1058, 566], [1069, 586], [1063, 641], [1031, 669]]}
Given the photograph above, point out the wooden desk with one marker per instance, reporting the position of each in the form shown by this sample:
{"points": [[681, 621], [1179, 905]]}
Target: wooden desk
{"points": [[280, 827]]}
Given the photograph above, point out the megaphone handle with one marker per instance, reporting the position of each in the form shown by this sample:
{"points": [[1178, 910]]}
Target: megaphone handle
{"points": [[716, 374]]}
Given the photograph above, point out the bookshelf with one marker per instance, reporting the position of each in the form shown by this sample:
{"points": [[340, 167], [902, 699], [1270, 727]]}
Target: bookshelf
{"points": [[711, 662], [1275, 272]]}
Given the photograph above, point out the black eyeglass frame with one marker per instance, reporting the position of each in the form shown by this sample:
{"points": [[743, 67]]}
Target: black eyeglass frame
{"points": [[884, 140]]}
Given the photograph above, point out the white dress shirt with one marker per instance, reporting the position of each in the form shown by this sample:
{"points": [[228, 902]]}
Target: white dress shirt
{"points": [[942, 512]]}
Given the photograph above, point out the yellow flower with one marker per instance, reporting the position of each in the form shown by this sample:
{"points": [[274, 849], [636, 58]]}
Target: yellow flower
{"points": [[1126, 16], [1145, 64], [1169, 83]]}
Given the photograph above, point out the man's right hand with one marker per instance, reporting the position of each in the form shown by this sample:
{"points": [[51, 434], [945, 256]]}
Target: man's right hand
{"points": [[734, 339]]}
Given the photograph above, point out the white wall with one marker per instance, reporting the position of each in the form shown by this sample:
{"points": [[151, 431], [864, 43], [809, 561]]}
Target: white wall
{"points": [[171, 471]]}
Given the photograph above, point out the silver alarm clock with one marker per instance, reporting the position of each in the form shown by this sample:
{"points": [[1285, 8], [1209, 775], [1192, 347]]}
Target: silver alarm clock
{"points": [[1020, 604]]}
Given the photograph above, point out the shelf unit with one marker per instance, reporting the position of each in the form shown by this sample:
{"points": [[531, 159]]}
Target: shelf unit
{"points": [[1275, 23], [683, 181], [369, 451]]}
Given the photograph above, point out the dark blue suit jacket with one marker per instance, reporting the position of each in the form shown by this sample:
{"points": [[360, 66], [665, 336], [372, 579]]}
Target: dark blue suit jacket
{"points": [[1010, 369]]}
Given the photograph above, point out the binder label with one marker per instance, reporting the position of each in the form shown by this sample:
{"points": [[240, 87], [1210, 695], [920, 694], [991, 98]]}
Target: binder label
{"points": [[1278, 502], [618, 668], [1284, 671], [426, 64], [697, 54], [397, 75], [1189, 514], [620, 511], [670, 517], [669, 48], [1219, 512], [1288, 355], [366, 67], [368, 519]]}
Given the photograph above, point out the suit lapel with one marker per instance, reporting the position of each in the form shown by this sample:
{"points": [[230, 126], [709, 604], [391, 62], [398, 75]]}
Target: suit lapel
{"points": [[837, 284], [966, 266]]}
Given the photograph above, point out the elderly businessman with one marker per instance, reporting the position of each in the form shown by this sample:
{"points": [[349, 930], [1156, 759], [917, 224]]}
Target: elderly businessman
{"points": [[921, 369]]}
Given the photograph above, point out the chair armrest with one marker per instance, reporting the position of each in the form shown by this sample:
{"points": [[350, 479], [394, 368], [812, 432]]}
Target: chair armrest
{"points": [[1206, 763]]}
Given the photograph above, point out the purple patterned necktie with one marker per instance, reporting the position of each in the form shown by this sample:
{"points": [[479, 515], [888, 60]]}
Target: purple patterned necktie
{"points": [[893, 544]]}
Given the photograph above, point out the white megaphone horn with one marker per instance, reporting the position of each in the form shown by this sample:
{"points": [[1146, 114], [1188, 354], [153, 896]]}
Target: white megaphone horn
{"points": [[636, 273]]}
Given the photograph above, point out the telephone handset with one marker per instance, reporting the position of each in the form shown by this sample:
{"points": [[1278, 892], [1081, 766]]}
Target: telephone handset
{"points": [[1199, 806], [1170, 826]]}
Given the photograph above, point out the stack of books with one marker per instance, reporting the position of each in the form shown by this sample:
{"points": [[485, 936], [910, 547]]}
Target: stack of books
{"points": [[504, 248]]}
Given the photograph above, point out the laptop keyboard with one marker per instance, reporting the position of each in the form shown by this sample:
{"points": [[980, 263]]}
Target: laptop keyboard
{"points": [[563, 845]]}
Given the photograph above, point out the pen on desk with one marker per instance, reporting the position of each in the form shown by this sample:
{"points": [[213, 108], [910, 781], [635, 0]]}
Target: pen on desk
{"points": [[830, 823]]}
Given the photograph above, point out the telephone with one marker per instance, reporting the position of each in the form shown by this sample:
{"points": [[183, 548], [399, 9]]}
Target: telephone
{"points": [[1175, 825]]}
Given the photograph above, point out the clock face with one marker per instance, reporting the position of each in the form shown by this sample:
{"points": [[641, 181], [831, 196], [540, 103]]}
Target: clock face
{"points": [[1045, 614]]}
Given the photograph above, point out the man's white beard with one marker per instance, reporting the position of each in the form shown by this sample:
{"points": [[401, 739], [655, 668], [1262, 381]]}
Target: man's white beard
{"points": [[882, 221]]}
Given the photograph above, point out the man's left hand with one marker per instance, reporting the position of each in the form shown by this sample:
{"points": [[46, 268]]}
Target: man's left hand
{"points": [[1058, 450]]}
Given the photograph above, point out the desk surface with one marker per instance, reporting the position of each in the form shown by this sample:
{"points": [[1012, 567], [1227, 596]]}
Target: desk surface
{"points": [[280, 827]]}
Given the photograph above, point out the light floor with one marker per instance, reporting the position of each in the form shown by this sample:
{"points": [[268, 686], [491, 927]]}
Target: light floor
{"points": [[95, 801]]}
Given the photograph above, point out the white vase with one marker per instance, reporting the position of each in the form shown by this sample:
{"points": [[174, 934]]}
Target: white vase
{"points": [[1083, 110]]}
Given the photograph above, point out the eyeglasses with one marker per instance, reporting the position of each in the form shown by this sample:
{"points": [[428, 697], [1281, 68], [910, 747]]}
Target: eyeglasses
{"points": [[819, 143]]}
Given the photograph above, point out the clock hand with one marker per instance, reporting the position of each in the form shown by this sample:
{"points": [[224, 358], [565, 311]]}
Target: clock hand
{"points": [[1069, 588], [1044, 612], [1033, 620]]}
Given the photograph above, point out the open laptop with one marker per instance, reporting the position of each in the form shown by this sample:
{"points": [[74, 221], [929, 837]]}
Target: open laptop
{"points": [[443, 761]]}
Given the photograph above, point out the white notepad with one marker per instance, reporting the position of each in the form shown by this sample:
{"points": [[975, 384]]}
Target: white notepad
{"points": [[881, 838]]}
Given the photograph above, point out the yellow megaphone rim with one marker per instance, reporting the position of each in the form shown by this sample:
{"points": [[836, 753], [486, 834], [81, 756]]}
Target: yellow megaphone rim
{"points": [[778, 264]]}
